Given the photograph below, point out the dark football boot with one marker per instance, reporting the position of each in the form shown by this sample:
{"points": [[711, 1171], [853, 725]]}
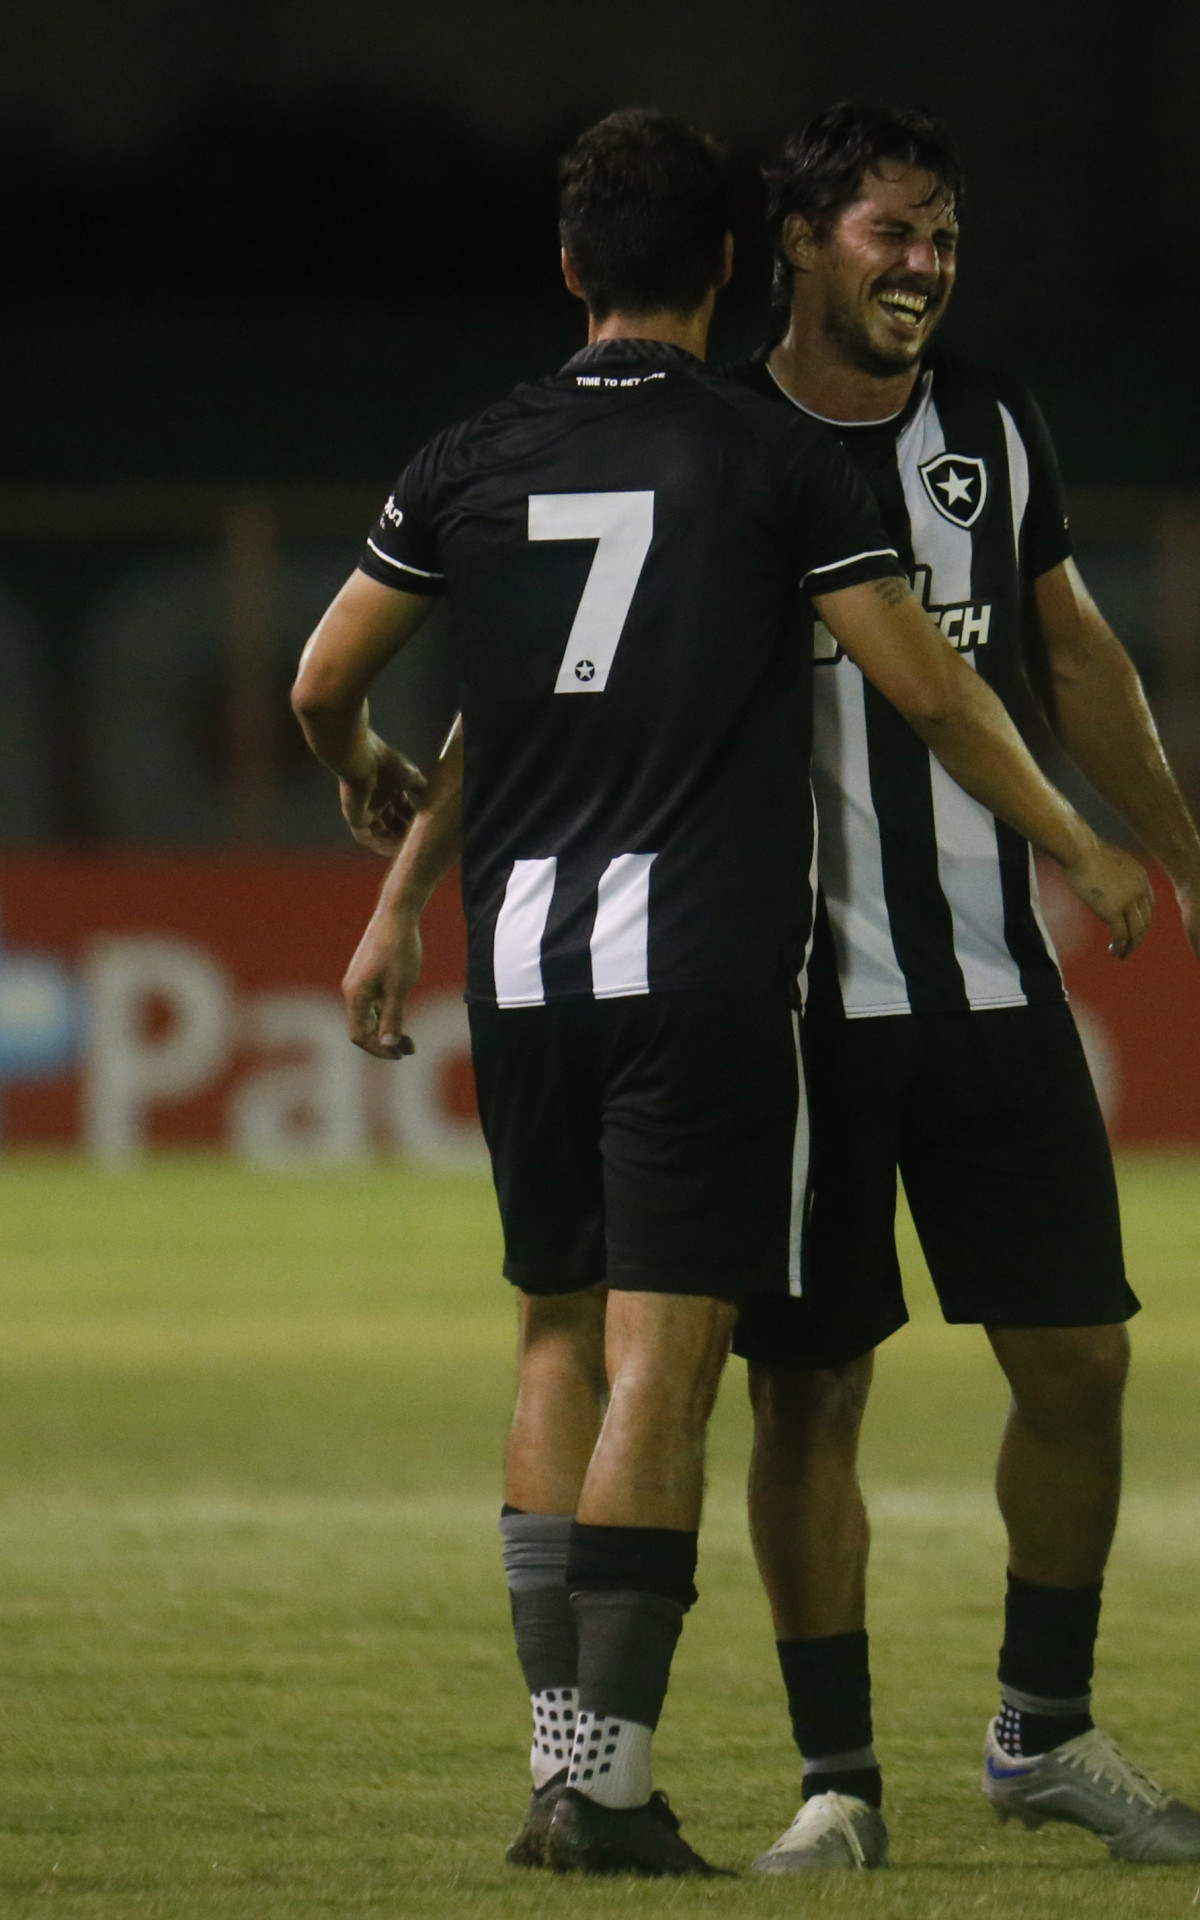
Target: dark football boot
{"points": [[587, 1838], [529, 1847]]}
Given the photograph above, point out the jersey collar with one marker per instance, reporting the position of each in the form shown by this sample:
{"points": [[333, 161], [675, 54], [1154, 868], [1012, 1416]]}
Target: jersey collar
{"points": [[631, 353], [894, 423]]}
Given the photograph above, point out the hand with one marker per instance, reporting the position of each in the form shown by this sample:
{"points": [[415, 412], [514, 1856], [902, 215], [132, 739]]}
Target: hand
{"points": [[1188, 897], [385, 969], [379, 803], [1117, 888]]}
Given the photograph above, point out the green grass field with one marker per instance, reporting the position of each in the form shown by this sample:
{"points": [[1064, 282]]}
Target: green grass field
{"points": [[254, 1633]]}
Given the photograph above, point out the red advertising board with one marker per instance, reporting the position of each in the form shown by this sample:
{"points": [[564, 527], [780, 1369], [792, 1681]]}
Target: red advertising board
{"points": [[1140, 1018], [194, 1001], [182, 1001]]}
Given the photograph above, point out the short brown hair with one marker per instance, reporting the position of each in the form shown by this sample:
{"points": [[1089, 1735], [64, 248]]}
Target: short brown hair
{"points": [[643, 214]]}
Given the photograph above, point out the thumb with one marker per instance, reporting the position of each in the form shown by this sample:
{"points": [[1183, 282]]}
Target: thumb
{"points": [[391, 1024]]}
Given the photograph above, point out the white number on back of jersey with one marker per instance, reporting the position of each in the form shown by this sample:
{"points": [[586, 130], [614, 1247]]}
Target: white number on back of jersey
{"points": [[622, 525]]}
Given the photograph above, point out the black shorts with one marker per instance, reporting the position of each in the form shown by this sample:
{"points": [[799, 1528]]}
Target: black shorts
{"points": [[993, 1123], [652, 1142]]}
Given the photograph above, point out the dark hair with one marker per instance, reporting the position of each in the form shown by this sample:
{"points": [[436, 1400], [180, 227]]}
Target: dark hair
{"points": [[820, 170], [643, 214]]}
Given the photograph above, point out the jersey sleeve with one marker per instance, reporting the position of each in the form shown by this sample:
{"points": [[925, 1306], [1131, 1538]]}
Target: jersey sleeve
{"points": [[1046, 539], [839, 536], [402, 546]]}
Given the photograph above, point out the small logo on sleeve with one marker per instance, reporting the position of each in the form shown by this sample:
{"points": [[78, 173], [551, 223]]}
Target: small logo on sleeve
{"points": [[957, 485], [391, 511]]}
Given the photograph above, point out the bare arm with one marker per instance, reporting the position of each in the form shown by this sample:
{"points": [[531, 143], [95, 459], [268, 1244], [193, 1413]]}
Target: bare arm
{"points": [[364, 626], [387, 963], [1102, 719], [961, 720]]}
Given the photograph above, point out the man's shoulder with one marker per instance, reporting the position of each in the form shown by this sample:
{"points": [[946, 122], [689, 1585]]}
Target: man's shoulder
{"points": [[752, 372], [748, 385], [955, 375], [750, 394], [465, 445]]}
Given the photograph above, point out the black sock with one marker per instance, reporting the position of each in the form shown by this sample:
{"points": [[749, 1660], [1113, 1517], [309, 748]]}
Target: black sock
{"points": [[633, 1560], [630, 1588], [828, 1685], [1046, 1664]]}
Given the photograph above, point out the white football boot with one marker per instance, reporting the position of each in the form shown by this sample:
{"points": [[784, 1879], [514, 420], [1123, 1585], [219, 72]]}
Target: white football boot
{"points": [[1089, 1782], [830, 1830]]}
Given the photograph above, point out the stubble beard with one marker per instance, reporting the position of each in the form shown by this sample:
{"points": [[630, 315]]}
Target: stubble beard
{"points": [[849, 334]]}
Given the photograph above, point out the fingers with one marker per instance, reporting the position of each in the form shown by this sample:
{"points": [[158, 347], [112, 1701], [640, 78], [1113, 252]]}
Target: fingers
{"points": [[376, 1020], [1133, 922], [396, 815], [393, 1041], [1130, 928], [378, 839], [362, 1016], [382, 826]]}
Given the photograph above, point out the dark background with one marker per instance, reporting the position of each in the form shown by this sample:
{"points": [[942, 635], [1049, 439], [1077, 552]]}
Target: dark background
{"points": [[285, 239]]}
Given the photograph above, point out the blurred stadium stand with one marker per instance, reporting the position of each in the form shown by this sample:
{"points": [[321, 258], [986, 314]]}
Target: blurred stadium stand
{"points": [[187, 610], [169, 620], [26, 784]]}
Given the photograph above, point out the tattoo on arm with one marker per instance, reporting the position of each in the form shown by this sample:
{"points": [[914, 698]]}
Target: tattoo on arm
{"points": [[891, 591]]}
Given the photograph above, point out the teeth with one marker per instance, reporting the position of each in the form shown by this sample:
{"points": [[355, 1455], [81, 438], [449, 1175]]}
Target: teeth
{"points": [[914, 303]]}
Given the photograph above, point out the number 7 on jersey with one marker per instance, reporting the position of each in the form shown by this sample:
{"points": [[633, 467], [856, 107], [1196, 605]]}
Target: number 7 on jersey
{"points": [[622, 525]]}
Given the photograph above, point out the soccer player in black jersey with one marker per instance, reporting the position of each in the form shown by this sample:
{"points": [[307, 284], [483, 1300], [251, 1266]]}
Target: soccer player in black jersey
{"points": [[625, 548], [938, 1040]]}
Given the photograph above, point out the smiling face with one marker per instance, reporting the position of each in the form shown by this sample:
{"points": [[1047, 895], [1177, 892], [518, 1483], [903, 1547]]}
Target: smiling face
{"points": [[881, 278]]}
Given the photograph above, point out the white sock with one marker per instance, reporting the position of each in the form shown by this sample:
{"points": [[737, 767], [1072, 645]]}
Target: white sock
{"points": [[553, 1732], [610, 1761]]}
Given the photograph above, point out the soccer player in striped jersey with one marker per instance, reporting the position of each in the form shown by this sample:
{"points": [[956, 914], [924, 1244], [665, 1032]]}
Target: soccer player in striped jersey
{"points": [[938, 1041], [625, 547]]}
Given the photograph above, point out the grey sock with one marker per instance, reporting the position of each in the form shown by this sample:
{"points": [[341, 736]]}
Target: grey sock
{"points": [[535, 1561], [626, 1644]]}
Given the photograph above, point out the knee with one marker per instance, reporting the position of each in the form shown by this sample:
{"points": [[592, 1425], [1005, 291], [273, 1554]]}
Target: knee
{"points": [[806, 1414], [564, 1333], [666, 1354], [1072, 1378]]}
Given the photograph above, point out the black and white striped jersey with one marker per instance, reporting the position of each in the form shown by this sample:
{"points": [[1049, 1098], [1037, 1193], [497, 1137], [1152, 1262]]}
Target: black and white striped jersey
{"points": [[927, 901], [623, 546]]}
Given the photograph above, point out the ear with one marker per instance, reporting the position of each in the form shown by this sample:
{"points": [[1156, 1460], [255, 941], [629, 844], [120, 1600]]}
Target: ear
{"points": [[727, 269], [571, 277], [799, 242]]}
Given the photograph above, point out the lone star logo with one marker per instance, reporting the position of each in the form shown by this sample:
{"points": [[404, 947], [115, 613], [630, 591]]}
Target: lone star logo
{"points": [[957, 486], [954, 488], [584, 670]]}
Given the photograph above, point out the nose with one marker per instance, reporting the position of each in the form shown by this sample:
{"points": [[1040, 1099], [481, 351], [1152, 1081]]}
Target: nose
{"points": [[922, 258]]}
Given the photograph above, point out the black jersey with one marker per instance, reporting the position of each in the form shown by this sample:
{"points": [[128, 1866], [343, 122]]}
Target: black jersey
{"points": [[927, 901], [624, 547]]}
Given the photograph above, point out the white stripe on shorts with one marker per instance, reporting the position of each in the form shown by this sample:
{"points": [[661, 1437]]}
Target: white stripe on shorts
{"points": [[800, 1157]]}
